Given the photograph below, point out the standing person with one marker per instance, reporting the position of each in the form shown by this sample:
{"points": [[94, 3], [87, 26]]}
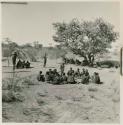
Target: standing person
{"points": [[62, 68], [45, 60], [14, 57]]}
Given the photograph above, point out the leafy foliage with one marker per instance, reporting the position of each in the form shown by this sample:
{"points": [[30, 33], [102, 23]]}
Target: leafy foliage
{"points": [[87, 38]]}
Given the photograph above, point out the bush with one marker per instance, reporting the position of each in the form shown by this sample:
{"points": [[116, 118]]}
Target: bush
{"points": [[108, 64], [10, 96], [10, 83], [11, 90]]}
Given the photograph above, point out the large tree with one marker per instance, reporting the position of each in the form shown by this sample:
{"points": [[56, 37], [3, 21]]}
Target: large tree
{"points": [[87, 38]]}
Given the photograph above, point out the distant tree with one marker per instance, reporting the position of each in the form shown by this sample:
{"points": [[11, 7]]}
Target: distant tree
{"points": [[87, 39], [37, 45], [10, 47], [26, 45]]}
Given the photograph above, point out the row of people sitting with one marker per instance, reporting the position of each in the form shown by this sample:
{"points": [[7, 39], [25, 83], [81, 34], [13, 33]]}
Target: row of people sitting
{"points": [[76, 61], [22, 64], [54, 77]]}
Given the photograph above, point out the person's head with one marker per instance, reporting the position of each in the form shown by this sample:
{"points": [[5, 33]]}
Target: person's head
{"points": [[83, 70], [50, 69], [78, 69], [14, 53], [71, 68], [40, 72], [47, 73], [63, 74], [58, 74]]}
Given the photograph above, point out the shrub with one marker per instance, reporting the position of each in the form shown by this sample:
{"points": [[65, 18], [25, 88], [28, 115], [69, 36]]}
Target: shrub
{"points": [[11, 90], [10, 96]]}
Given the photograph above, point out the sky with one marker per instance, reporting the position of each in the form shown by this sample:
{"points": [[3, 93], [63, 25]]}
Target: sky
{"points": [[33, 22]]}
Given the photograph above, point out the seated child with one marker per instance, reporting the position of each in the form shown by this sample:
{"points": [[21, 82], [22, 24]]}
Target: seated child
{"points": [[41, 77], [96, 78]]}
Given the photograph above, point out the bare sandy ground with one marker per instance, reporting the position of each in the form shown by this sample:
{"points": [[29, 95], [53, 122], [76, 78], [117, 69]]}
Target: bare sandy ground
{"points": [[68, 103]]}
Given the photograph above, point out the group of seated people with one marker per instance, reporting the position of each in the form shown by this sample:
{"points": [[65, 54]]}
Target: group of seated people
{"points": [[76, 61], [54, 77], [22, 64]]}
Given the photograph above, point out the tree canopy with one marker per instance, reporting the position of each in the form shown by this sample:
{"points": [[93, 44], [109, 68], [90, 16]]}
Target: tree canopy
{"points": [[86, 38]]}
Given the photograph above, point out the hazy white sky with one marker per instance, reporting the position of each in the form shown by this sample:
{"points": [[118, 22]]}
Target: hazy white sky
{"points": [[33, 22]]}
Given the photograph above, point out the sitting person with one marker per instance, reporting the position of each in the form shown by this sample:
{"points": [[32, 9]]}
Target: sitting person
{"points": [[27, 64], [85, 78], [71, 79], [96, 78], [64, 79], [47, 76], [57, 79], [71, 71], [55, 71], [51, 75], [83, 72], [41, 77], [77, 73]]}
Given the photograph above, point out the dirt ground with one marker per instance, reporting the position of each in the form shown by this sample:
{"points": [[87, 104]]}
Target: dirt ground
{"points": [[69, 103]]}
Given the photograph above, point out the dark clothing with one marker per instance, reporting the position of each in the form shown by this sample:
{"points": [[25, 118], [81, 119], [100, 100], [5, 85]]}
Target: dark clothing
{"points": [[85, 79], [70, 72], [57, 79], [51, 75], [77, 73], [23, 64], [14, 57], [96, 78], [45, 60], [41, 78], [27, 64], [19, 64]]}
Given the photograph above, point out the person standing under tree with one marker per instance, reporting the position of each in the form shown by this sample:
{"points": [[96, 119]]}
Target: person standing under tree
{"points": [[14, 57], [62, 68], [45, 60]]}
